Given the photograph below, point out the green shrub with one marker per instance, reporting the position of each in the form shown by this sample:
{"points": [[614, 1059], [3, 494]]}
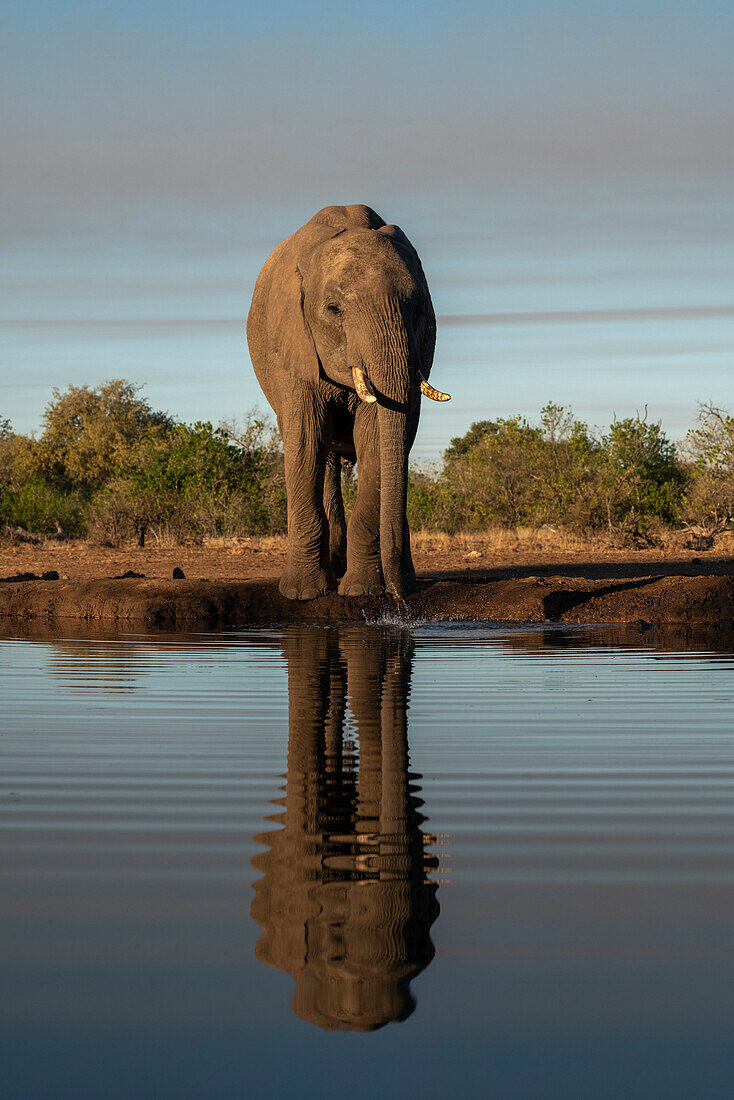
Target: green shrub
{"points": [[190, 481], [89, 433], [38, 507], [433, 504], [108, 464], [641, 475], [511, 472]]}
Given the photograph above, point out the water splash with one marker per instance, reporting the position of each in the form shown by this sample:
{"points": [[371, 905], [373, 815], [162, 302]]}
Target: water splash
{"points": [[398, 614]]}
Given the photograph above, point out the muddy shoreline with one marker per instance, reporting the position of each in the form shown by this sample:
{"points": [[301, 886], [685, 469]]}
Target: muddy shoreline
{"points": [[676, 598]]}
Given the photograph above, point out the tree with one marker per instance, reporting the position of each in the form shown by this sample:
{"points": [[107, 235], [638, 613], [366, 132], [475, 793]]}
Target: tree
{"points": [[510, 471], [194, 480], [464, 443], [569, 467], [709, 448], [89, 433], [29, 502], [641, 477]]}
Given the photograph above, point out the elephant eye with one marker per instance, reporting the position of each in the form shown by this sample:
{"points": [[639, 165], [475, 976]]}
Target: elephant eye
{"points": [[332, 307]]}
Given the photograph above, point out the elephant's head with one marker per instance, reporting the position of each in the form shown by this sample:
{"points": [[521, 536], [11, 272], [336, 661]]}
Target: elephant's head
{"points": [[361, 316]]}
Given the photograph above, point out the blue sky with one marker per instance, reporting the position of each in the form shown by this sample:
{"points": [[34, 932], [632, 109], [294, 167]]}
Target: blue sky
{"points": [[220, 98], [561, 159]]}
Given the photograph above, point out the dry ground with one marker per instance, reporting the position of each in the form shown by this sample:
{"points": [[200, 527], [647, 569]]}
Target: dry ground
{"points": [[506, 575], [498, 554]]}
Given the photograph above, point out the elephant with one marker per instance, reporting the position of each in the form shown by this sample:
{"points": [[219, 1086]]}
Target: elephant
{"points": [[341, 333], [346, 902]]}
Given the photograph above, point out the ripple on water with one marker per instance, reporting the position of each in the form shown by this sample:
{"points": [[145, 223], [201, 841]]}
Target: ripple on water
{"points": [[519, 842]]}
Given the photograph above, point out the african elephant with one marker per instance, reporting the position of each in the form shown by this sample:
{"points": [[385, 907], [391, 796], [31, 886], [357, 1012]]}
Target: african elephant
{"points": [[341, 334]]}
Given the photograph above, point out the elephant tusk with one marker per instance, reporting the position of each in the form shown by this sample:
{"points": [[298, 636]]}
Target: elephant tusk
{"points": [[429, 391], [363, 386]]}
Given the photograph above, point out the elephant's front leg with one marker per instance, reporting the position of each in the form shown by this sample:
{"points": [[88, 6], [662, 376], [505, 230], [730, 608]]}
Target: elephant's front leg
{"points": [[307, 573], [364, 572], [334, 509]]}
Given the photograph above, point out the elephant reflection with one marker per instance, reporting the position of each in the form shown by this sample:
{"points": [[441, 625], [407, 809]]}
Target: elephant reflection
{"points": [[344, 903]]}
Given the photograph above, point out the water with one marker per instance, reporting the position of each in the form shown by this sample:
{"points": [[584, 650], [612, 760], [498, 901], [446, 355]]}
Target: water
{"points": [[367, 860]]}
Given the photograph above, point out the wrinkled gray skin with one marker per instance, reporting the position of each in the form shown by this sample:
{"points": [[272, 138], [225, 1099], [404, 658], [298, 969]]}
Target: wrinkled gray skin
{"points": [[344, 291]]}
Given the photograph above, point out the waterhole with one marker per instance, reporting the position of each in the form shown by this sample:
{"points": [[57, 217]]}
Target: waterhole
{"points": [[370, 860]]}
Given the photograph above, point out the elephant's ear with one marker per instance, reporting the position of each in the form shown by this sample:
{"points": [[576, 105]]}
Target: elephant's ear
{"points": [[427, 332], [277, 329]]}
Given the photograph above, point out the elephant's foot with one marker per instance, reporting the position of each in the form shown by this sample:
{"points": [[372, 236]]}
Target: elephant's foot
{"points": [[306, 585], [363, 580]]}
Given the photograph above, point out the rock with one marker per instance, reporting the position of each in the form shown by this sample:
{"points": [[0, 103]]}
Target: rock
{"points": [[50, 575], [129, 576], [178, 574]]}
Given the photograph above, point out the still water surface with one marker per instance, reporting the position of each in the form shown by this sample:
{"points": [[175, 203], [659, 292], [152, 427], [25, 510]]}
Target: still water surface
{"points": [[367, 861]]}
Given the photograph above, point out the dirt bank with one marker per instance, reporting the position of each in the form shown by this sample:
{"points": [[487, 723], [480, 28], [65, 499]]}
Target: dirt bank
{"points": [[237, 586]]}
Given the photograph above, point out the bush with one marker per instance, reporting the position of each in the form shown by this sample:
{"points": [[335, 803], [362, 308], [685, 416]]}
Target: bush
{"points": [[31, 503], [433, 504], [709, 450], [38, 507], [108, 464], [642, 479], [191, 481], [511, 472]]}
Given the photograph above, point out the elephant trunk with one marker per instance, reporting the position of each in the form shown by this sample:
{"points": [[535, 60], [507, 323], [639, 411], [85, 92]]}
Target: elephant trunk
{"points": [[388, 362], [393, 498]]}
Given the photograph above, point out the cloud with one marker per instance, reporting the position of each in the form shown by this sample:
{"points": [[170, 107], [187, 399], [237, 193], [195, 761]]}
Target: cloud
{"points": [[163, 326], [595, 316], [201, 102]]}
